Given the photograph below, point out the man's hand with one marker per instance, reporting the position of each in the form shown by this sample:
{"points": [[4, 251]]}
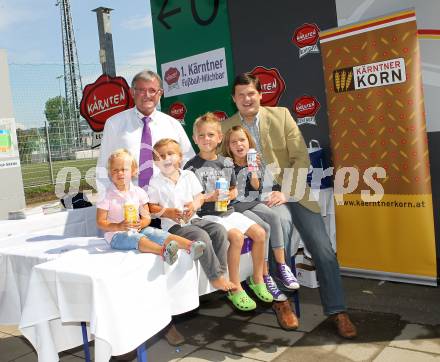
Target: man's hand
{"points": [[275, 198]]}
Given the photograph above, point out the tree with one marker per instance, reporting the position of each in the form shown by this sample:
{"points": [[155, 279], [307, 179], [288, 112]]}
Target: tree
{"points": [[60, 127], [56, 109], [28, 142]]}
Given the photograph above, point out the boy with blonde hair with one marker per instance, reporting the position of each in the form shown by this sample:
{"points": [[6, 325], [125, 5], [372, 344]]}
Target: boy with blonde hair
{"points": [[209, 167], [175, 195]]}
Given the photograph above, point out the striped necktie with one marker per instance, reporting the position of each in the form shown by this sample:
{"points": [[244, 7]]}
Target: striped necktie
{"points": [[145, 155]]}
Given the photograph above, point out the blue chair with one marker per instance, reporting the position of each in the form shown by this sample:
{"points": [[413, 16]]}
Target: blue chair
{"points": [[141, 350], [247, 247]]}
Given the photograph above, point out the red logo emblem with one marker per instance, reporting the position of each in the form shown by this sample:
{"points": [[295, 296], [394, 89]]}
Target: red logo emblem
{"points": [[272, 85], [306, 35], [221, 115], [306, 39], [172, 75], [178, 110], [103, 99], [306, 106]]}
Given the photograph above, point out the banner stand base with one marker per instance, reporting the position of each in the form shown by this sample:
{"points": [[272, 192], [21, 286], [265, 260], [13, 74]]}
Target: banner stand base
{"points": [[393, 277]]}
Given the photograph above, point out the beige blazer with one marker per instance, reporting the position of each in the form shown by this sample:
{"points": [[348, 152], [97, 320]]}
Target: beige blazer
{"points": [[283, 148]]}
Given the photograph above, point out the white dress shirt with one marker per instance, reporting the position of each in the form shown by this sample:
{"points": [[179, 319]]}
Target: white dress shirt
{"points": [[164, 192], [124, 130]]}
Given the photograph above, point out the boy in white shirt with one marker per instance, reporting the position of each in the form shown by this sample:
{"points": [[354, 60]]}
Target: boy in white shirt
{"points": [[175, 195]]}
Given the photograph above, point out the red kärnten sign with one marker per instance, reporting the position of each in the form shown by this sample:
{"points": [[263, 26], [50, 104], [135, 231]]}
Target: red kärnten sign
{"points": [[103, 99]]}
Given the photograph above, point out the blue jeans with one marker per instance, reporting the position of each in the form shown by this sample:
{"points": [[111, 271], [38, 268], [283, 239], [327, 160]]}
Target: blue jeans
{"points": [[130, 240], [312, 230]]}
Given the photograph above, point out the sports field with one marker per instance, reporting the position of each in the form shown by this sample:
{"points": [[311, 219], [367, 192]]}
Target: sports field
{"points": [[38, 184], [38, 174]]}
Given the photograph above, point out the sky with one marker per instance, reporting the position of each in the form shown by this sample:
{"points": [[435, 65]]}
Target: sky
{"points": [[30, 31]]}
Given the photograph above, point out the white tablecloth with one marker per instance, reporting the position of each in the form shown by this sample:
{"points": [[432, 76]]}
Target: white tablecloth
{"points": [[79, 222], [127, 297], [55, 273], [51, 281], [34, 240]]}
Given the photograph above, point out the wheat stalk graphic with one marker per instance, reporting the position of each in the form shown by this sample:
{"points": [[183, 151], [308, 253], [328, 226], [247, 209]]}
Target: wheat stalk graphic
{"points": [[337, 81], [347, 82], [343, 76]]}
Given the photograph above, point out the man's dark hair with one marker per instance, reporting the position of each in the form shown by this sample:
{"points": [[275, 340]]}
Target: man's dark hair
{"points": [[246, 79]]}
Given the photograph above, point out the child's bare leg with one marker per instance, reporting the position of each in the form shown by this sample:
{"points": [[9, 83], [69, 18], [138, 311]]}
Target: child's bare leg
{"points": [[195, 249], [236, 239], [182, 243], [223, 283], [266, 268], [147, 246], [258, 236], [278, 253]]}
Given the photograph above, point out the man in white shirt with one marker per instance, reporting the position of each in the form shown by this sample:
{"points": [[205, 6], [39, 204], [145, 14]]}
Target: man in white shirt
{"points": [[125, 130]]}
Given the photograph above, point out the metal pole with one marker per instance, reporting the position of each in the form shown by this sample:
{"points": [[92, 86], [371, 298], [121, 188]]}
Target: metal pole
{"points": [[52, 179], [62, 112], [106, 55]]}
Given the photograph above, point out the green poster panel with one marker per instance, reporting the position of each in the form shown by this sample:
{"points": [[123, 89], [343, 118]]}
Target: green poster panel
{"points": [[194, 57]]}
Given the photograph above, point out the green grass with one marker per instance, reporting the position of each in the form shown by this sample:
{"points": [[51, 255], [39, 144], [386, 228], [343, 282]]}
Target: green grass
{"points": [[39, 173], [38, 186]]}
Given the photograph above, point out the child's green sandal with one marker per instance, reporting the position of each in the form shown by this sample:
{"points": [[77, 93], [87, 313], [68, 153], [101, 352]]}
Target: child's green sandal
{"points": [[260, 290], [242, 301]]}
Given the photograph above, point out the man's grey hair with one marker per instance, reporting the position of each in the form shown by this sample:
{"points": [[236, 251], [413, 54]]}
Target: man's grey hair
{"points": [[146, 75]]}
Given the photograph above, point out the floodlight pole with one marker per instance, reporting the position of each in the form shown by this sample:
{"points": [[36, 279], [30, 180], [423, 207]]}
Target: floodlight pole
{"points": [[62, 112], [106, 55]]}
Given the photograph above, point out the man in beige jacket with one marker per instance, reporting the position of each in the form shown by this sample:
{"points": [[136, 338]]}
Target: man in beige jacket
{"points": [[284, 154]]}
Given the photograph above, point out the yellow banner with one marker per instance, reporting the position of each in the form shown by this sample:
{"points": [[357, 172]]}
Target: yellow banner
{"points": [[392, 235], [377, 120]]}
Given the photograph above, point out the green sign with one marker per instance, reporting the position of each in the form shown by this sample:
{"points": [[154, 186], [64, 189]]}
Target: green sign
{"points": [[194, 58]]}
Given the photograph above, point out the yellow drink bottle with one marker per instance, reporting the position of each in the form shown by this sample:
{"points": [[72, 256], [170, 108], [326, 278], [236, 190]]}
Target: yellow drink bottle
{"points": [[221, 204], [131, 214]]}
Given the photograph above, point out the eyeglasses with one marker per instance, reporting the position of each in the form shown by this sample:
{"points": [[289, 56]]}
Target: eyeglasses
{"points": [[149, 92]]}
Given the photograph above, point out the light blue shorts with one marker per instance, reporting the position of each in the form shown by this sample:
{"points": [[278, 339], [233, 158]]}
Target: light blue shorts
{"points": [[130, 240]]}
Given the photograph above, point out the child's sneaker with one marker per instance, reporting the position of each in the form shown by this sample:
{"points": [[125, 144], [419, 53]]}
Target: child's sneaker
{"points": [[287, 277], [169, 253], [196, 249], [277, 294]]}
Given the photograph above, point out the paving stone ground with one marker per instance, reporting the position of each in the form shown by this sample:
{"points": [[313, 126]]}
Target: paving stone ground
{"points": [[396, 322]]}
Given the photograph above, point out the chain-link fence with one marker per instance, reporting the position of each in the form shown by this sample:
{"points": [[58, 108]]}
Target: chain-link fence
{"points": [[55, 145], [45, 150]]}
